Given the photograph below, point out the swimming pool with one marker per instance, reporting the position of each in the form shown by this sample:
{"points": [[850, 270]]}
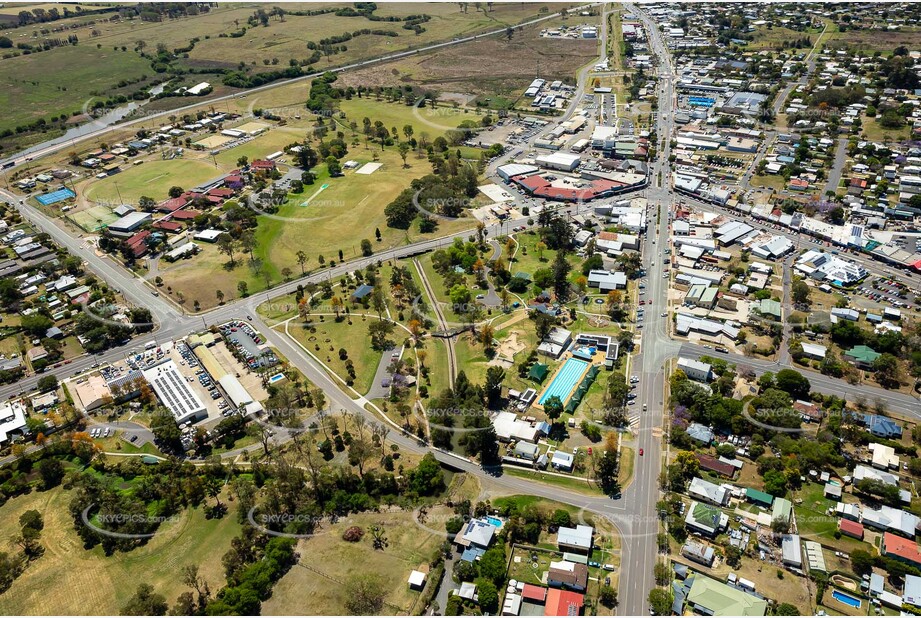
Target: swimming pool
{"points": [[278, 377], [565, 380], [495, 521], [846, 599]]}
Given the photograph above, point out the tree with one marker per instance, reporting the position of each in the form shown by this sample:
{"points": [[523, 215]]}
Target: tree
{"points": [[403, 149], [786, 609], [487, 595], [48, 383], [227, 245], [607, 596], [243, 288], [561, 268], [887, 370], [662, 573], [366, 249], [175, 192], [793, 382], [145, 602], [220, 296], [302, 260], [364, 595], [660, 602], [492, 564], [861, 561], [52, 472], [495, 375], [553, 408], [800, 292]]}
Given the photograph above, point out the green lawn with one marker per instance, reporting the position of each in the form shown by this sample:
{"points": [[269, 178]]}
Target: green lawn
{"points": [[69, 580], [324, 339], [152, 179]]}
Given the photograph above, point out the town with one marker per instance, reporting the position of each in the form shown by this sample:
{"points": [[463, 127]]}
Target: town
{"points": [[513, 309]]}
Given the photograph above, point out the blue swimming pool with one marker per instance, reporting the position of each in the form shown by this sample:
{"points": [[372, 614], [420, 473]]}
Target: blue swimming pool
{"points": [[278, 377], [495, 521], [846, 599], [565, 380]]}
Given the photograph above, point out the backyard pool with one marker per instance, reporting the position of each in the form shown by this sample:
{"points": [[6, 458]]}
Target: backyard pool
{"points": [[846, 599], [495, 521], [565, 380], [278, 377]]}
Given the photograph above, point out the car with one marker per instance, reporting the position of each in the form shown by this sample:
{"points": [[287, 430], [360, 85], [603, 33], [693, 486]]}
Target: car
{"points": [[663, 314], [631, 402], [642, 302], [594, 564], [641, 452], [480, 296], [608, 567]]}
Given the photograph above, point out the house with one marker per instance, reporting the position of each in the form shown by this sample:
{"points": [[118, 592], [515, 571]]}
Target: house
{"points": [[709, 597], [889, 519], [862, 472], [578, 539], [848, 511], [511, 605], [759, 497], [527, 450], [706, 491], [706, 519], [911, 591], [568, 575], [476, 534], [832, 491], [262, 165], [814, 351], [563, 603], [36, 353], [884, 457], [698, 552], [882, 427], [700, 433], [906, 550], [712, 464], [862, 356], [782, 510], [562, 461], [808, 410], [851, 528], [534, 594]]}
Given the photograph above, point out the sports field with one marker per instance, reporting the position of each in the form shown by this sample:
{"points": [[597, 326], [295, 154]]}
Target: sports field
{"points": [[153, 179]]}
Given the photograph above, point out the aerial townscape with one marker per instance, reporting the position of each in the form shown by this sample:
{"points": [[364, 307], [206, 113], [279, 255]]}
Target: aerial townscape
{"points": [[452, 308]]}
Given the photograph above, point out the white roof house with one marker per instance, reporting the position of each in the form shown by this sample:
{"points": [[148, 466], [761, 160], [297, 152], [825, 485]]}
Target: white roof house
{"points": [[862, 472], [509, 427], [814, 350], [479, 532], [578, 538], [705, 491], [888, 518], [884, 457]]}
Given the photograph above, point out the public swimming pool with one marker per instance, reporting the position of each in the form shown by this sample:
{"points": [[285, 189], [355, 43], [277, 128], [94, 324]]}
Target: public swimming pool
{"points": [[566, 379], [846, 599]]}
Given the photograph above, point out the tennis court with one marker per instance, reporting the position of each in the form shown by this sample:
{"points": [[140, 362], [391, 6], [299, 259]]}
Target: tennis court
{"points": [[55, 196]]}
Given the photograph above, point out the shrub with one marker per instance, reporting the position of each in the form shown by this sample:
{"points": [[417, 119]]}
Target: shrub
{"points": [[353, 534]]}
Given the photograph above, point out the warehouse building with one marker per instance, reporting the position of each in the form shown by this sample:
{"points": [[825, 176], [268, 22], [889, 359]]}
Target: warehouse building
{"points": [[563, 161], [238, 395]]}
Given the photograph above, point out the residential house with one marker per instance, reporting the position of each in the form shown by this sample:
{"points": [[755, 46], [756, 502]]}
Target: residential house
{"points": [[706, 491], [578, 539], [568, 575], [706, 519]]}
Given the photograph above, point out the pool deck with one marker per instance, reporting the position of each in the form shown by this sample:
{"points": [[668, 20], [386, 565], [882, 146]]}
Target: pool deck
{"points": [[598, 358]]}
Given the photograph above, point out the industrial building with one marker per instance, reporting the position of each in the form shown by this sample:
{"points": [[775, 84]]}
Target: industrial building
{"points": [[173, 391]]}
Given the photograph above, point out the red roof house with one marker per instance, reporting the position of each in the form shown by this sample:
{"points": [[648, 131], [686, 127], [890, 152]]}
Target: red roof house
{"points": [[221, 192], [262, 165], [536, 594], [901, 548], [711, 463], [138, 243], [168, 226], [185, 215], [851, 528], [563, 603], [172, 204]]}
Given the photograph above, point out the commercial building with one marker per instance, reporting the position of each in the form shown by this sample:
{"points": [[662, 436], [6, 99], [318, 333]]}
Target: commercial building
{"points": [[12, 419], [238, 394], [695, 369], [174, 392], [91, 392], [130, 222], [562, 161]]}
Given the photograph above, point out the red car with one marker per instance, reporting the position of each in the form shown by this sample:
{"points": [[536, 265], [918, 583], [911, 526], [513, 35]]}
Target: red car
{"points": [[641, 452]]}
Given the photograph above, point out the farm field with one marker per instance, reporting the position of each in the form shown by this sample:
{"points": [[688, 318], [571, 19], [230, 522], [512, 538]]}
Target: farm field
{"points": [[460, 72], [61, 81], [68, 579], [36, 82], [315, 585]]}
